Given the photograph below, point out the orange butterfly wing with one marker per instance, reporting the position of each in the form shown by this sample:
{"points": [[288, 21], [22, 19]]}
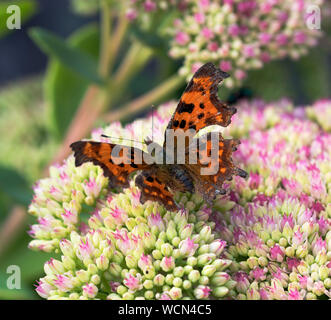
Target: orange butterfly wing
{"points": [[199, 105], [101, 153], [154, 189], [210, 185]]}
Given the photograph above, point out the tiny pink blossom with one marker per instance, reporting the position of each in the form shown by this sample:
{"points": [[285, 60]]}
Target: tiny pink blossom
{"points": [[90, 290], [69, 217], [149, 5], [240, 74], [199, 17], [167, 263], [156, 220], [276, 253], [212, 46], [207, 33], [133, 283], [43, 289], [294, 295], [225, 65], [63, 282], [182, 38], [187, 247]]}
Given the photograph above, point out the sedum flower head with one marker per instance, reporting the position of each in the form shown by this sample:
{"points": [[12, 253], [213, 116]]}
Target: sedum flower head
{"points": [[321, 113], [268, 238], [237, 35], [241, 35], [146, 253]]}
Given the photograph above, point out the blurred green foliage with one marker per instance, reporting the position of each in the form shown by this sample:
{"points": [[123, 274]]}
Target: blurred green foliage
{"points": [[64, 88]]}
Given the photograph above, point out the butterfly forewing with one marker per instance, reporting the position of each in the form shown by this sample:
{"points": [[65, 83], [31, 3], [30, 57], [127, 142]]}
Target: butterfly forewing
{"points": [[117, 166]]}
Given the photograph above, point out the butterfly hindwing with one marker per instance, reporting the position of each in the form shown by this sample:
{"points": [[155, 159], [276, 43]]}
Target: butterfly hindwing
{"points": [[101, 153], [154, 189], [222, 167]]}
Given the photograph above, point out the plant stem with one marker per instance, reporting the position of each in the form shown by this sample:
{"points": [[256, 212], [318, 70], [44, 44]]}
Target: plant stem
{"points": [[134, 60], [106, 24], [145, 100], [115, 41]]}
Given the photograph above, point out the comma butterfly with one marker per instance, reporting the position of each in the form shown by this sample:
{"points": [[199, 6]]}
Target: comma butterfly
{"points": [[198, 108]]}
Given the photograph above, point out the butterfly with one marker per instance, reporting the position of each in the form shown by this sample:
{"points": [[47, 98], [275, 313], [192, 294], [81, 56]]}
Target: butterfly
{"points": [[199, 107]]}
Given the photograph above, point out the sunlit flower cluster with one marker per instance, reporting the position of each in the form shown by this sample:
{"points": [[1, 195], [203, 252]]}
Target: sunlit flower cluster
{"points": [[241, 35], [135, 252], [321, 113], [237, 35], [268, 238]]}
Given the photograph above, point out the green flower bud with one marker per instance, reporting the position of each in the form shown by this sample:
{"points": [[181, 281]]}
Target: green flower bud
{"points": [[204, 280], [128, 296], [166, 249], [149, 295], [220, 278], [92, 269], [208, 270], [171, 231], [115, 269], [177, 282], [187, 284], [192, 261], [290, 251], [178, 272], [169, 279], [95, 279], [102, 262], [175, 293], [276, 235], [175, 241], [203, 259], [157, 254], [194, 276], [68, 263], [220, 292], [205, 233], [148, 284], [83, 275], [252, 262], [159, 280]]}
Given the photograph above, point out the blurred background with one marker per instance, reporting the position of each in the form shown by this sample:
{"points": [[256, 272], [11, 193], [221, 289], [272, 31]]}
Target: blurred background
{"points": [[76, 65]]}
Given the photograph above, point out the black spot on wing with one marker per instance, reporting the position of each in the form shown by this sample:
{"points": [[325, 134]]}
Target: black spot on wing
{"points": [[185, 107], [182, 124]]}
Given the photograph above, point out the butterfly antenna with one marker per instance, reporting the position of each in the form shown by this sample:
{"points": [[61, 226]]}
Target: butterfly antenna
{"points": [[152, 121], [104, 136]]}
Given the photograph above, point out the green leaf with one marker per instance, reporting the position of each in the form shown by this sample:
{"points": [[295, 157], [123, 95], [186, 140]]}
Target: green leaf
{"points": [[73, 58], [64, 89], [27, 7], [14, 185]]}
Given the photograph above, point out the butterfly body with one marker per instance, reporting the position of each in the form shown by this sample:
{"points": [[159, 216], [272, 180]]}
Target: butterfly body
{"points": [[198, 108]]}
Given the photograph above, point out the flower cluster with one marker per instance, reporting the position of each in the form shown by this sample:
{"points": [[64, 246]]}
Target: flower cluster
{"points": [[142, 8], [268, 238], [131, 252], [237, 35], [321, 113], [241, 35]]}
